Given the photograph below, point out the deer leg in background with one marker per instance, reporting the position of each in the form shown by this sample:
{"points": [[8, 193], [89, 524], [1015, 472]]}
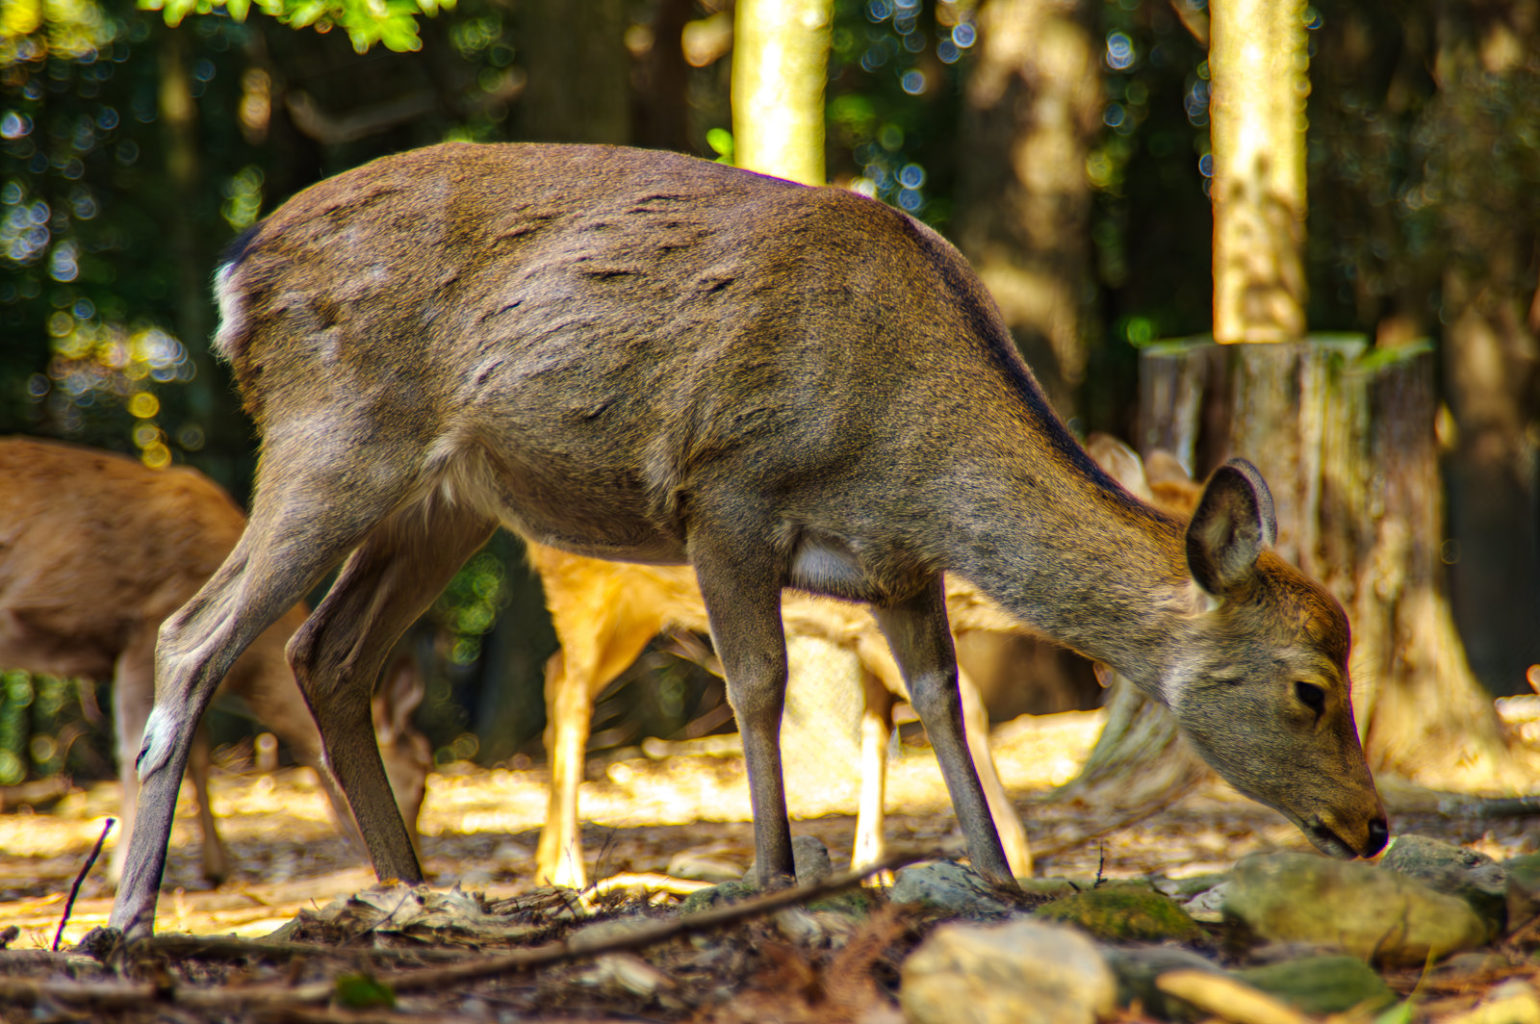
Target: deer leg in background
{"points": [[922, 645], [216, 858], [743, 602], [337, 655], [876, 733]]}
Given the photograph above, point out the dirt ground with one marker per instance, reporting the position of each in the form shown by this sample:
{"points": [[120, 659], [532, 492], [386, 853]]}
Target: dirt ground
{"points": [[479, 829]]}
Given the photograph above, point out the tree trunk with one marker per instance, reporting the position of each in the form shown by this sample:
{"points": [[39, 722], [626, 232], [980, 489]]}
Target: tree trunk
{"points": [[578, 87], [1344, 436], [1491, 338], [780, 62], [1258, 61], [1033, 109]]}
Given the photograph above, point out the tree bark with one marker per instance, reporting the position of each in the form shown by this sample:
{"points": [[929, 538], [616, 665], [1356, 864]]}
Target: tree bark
{"points": [[1033, 109], [1258, 62]]}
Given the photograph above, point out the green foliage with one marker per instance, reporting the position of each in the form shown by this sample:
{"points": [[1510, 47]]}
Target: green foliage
{"points": [[363, 992], [44, 728], [392, 23]]}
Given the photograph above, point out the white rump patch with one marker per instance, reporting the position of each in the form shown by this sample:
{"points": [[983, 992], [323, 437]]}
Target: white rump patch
{"points": [[232, 312]]}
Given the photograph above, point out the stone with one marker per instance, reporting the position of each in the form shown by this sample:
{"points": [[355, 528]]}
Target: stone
{"points": [[1349, 905], [1124, 913], [1322, 984], [1136, 968], [1022, 971], [945, 885], [1469, 874]]}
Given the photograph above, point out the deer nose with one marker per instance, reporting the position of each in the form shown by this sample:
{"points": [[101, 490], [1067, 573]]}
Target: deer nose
{"points": [[1379, 833]]}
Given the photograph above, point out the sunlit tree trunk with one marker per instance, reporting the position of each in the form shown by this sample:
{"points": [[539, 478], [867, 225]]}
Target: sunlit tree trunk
{"points": [[1033, 109], [1258, 63], [780, 62]]}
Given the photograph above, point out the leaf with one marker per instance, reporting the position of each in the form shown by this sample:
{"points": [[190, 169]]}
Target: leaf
{"points": [[238, 8]]}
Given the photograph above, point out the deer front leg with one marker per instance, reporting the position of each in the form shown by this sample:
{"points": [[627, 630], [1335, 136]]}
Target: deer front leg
{"points": [[743, 604], [922, 645]]}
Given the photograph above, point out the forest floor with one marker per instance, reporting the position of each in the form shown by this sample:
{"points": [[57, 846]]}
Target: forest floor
{"points": [[479, 829]]}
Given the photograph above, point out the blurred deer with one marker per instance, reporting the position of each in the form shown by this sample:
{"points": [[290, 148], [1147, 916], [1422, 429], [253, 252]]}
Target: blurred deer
{"points": [[95, 551], [644, 357]]}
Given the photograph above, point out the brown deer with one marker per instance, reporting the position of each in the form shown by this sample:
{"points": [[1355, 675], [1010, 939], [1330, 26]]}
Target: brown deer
{"points": [[95, 551], [647, 357], [605, 613]]}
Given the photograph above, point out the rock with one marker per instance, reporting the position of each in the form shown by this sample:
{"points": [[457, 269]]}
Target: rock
{"points": [[947, 886], [697, 868], [1322, 984], [1020, 972], [1523, 887], [1124, 913], [1512, 1002], [1469, 874], [809, 857], [1137, 967], [1349, 905], [1201, 896], [717, 895]]}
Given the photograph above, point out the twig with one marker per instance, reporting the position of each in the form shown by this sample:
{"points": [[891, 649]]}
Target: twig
{"points": [[233, 947], [85, 869]]}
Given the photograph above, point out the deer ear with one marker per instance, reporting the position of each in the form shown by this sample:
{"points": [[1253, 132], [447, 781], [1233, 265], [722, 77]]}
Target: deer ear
{"points": [[1232, 525]]}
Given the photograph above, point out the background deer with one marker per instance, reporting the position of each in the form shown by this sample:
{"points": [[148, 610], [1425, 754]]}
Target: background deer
{"points": [[605, 613], [646, 357], [95, 551]]}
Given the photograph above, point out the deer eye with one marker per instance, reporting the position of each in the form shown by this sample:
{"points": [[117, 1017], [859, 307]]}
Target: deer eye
{"points": [[1311, 696]]}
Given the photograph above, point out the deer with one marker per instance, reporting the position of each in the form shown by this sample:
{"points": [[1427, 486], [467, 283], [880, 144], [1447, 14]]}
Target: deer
{"points": [[605, 613], [96, 549], [643, 356]]}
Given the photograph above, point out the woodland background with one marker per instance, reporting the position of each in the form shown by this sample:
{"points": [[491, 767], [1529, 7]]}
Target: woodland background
{"points": [[1063, 144]]}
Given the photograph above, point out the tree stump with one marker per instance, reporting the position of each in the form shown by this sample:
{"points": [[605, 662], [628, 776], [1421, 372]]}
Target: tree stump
{"points": [[1344, 435]]}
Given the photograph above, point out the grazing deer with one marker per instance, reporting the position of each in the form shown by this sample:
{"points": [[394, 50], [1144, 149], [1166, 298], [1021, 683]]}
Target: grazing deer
{"points": [[605, 613], [647, 357], [95, 551]]}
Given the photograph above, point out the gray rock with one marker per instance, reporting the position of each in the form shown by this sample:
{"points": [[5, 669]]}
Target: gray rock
{"points": [[1137, 967], [947, 886], [1349, 905], [1019, 972], [1469, 874]]}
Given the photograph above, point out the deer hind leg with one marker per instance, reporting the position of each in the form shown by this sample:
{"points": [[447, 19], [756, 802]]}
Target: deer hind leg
{"points": [[922, 645], [338, 653], [288, 545]]}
